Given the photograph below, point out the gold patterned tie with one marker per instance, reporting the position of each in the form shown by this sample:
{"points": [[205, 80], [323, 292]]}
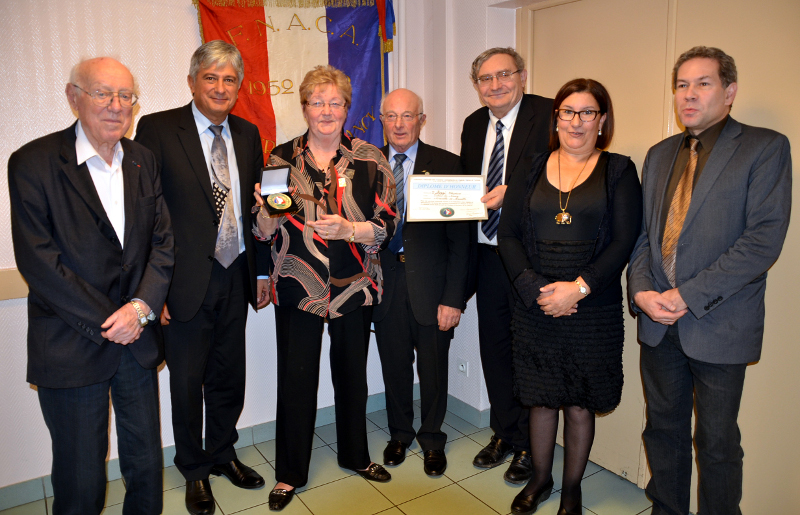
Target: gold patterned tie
{"points": [[677, 213]]}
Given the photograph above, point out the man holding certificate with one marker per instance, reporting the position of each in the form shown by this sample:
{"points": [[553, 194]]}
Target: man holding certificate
{"points": [[424, 281]]}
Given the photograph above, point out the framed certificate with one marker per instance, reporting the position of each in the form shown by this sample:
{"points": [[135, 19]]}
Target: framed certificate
{"points": [[438, 198]]}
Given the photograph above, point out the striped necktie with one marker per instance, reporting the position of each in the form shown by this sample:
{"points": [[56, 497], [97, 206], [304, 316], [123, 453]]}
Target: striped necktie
{"points": [[678, 208], [493, 179], [400, 200]]}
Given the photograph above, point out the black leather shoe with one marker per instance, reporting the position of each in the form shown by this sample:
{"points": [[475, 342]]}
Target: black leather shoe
{"points": [[240, 474], [434, 463], [577, 510], [394, 453], [199, 499], [279, 498], [375, 473], [528, 503], [521, 468], [493, 454]]}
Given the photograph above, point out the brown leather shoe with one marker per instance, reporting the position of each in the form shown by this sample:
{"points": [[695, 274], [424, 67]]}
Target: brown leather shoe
{"points": [[493, 454], [199, 499], [240, 474]]}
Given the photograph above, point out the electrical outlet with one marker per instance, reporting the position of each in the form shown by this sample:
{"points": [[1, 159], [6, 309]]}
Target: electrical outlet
{"points": [[463, 366]]}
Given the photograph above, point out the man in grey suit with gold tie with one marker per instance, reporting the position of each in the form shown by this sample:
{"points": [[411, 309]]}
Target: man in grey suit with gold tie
{"points": [[717, 199]]}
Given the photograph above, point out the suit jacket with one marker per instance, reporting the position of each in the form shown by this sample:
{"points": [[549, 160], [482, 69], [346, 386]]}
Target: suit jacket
{"points": [[732, 234], [530, 137], [77, 271], [173, 138], [436, 253]]}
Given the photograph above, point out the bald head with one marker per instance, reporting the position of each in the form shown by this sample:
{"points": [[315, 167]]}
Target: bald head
{"points": [[401, 113], [104, 125]]}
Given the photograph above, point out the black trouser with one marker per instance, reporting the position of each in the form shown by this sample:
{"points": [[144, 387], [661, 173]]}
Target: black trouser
{"points": [[495, 299], [206, 360], [397, 335], [299, 342]]}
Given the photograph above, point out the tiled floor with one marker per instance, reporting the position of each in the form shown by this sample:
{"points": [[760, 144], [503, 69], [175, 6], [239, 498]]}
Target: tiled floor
{"points": [[331, 490]]}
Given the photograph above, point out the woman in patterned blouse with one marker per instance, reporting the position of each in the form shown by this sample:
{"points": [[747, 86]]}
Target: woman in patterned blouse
{"points": [[324, 265]]}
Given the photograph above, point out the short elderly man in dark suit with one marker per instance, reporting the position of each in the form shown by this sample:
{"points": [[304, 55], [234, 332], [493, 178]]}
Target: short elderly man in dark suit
{"points": [[497, 141], [209, 165], [92, 238], [424, 279], [717, 199]]}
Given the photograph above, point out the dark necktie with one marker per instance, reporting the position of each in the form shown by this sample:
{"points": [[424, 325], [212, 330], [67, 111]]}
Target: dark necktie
{"points": [[678, 208], [227, 248], [493, 178], [400, 201]]}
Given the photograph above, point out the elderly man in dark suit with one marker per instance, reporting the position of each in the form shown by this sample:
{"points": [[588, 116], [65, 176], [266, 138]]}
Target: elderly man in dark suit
{"points": [[92, 238], [717, 199], [498, 141], [424, 279], [209, 164]]}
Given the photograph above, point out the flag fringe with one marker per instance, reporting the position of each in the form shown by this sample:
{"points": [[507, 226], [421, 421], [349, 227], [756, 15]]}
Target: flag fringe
{"points": [[301, 4]]}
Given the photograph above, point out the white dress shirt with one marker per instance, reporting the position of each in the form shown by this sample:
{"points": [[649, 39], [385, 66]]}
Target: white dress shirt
{"points": [[206, 139], [491, 137], [408, 169], [107, 179]]}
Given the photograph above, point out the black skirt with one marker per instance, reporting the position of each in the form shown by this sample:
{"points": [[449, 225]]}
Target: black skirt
{"points": [[573, 360]]}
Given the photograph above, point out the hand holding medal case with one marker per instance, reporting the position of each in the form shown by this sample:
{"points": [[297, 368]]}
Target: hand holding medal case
{"points": [[275, 190]]}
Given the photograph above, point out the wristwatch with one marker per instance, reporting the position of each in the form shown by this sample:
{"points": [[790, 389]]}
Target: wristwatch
{"points": [[582, 288], [143, 319]]}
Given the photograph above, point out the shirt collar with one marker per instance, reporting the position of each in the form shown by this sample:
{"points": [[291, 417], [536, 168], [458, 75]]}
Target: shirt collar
{"points": [[510, 117], [410, 153], [709, 136], [85, 151], [202, 122]]}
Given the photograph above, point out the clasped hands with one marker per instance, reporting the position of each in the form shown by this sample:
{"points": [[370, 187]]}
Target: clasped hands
{"points": [[123, 325], [559, 298], [665, 308]]}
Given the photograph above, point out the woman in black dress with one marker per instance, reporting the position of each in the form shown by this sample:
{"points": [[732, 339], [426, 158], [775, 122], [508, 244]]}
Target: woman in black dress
{"points": [[565, 235]]}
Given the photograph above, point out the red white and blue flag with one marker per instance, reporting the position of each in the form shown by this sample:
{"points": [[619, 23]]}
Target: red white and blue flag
{"points": [[281, 40]]}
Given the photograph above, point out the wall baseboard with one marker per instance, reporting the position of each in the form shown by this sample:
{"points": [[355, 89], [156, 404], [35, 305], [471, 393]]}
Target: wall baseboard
{"points": [[40, 488]]}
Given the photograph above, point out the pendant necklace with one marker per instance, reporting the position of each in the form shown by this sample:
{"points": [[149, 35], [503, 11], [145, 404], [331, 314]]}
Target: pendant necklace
{"points": [[564, 218]]}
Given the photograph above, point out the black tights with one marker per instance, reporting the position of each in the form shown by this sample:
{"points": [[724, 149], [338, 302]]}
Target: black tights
{"points": [[578, 438]]}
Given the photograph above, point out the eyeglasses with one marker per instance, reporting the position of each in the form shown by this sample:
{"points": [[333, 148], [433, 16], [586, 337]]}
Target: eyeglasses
{"points": [[393, 117], [104, 98], [501, 77], [335, 106], [587, 115]]}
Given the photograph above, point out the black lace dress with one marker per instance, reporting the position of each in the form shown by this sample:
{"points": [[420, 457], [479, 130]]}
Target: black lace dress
{"points": [[572, 360]]}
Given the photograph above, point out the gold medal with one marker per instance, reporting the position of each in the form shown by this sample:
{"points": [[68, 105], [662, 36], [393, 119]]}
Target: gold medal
{"points": [[279, 201]]}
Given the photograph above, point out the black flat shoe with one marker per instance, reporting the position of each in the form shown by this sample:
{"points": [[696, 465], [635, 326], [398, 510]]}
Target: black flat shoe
{"points": [[435, 462], [528, 503], [521, 468], [493, 454], [578, 510], [394, 453], [240, 474], [375, 473], [199, 500], [279, 498]]}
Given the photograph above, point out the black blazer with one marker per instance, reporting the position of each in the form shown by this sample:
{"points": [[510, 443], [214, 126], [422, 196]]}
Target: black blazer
{"points": [[173, 138], [530, 137], [436, 253], [77, 271]]}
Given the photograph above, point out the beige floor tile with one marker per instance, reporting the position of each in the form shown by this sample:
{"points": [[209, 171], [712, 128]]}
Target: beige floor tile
{"points": [[451, 500], [606, 493], [379, 418], [459, 424], [113, 510], [483, 437], [267, 449], [326, 433], [175, 501], [348, 496], [250, 456], [460, 454], [32, 508], [173, 478], [232, 499], [390, 511], [115, 493], [489, 487], [410, 481], [324, 468], [295, 507]]}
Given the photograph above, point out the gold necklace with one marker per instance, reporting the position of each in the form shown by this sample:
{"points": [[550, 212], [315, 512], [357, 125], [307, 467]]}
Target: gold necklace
{"points": [[564, 218]]}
